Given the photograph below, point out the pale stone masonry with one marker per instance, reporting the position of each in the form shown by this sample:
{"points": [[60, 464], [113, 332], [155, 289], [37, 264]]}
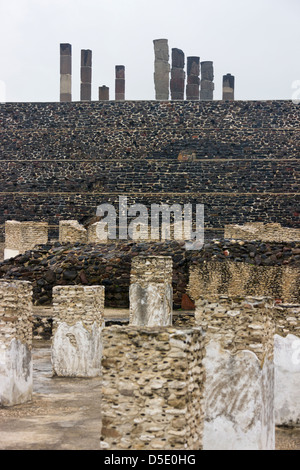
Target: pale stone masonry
{"points": [[261, 231], [71, 231], [15, 342], [207, 81], [237, 278], [239, 370], [161, 69], [86, 75], [150, 292], [65, 72], [78, 320], [152, 388], [23, 236], [120, 83]]}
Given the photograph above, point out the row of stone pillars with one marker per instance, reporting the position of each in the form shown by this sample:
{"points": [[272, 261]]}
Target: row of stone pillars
{"points": [[210, 386], [196, 87], [86, 77]]}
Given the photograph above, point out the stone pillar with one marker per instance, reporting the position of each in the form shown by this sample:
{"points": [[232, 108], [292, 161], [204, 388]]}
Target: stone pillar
{"points": [[150, 292], [207, 81], [161, 69], [70, 231], [103, 93], [78, 320], [228, 87], [23, 236], [120, 83], [287, 364], [152, 388], [177, 75], [65, 72], [86, 75], [15, 342], [193, 81], [239, 369]]}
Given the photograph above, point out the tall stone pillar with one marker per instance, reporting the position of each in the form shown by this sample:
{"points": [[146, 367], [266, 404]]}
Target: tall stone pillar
{"points": [[193, 80], [161, 69], [150, 292], [65, 72], [177, 75], [207, 81], [152, 382], [120, 83], [15, 342], [239, 370], [78, 320], [103, 93], [86, 75], [228, 87]]}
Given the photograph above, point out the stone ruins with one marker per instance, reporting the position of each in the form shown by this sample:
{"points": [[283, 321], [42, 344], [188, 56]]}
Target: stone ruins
{"points": [[207, 355]]}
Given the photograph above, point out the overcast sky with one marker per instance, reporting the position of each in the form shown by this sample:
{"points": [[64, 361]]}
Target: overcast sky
{"points": [[258, 41]]}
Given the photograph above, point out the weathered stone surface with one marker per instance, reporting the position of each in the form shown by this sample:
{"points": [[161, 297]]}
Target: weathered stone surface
{"points": [[23, 236], [86, 75], [272, 232], [207, 78], [65, 72], [151, 293], [193, 80], [103, 93], [161, 69], [15, 342], [120, 83], [228, 87], [78, 320], [238, 401], [177, 81], [144, 405], [287, 379]]}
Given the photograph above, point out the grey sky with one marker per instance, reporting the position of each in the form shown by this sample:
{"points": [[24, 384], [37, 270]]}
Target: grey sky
{"points": [[258, 41]]}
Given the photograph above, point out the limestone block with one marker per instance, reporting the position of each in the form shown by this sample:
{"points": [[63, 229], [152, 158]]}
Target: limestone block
{"points": [[78, 321], [15, 342], [150, 292], [239, 370], [70, 231], [152, 388]]}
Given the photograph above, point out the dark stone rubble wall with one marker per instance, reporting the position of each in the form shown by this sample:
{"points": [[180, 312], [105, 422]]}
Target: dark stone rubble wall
{"points": [[110, 264], [240, 159]]}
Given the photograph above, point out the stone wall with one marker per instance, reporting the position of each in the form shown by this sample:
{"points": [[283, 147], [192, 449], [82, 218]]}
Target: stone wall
{"points": [[23, 236], [109, 264], [260, 231], [61, 160], [231, 278], [152, 388]]}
